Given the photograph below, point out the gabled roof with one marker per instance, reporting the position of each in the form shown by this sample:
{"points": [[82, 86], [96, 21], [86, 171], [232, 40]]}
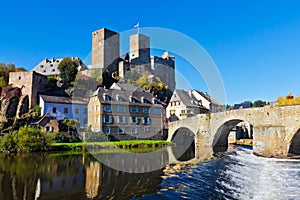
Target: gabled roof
{"points": [[208, 97], [181, 95]]}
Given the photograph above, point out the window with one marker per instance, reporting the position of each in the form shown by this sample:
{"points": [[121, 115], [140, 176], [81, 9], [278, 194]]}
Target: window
{"points": [[146, 120], [134, 120], [107, 119], [106, 129], [146, 129], [85, 111], [44, 71], [157, 111], [121, 130], [66, 110], [178, 103], [53, 70], [97, 119], [188, 111], [107, 108], [107, 97], [134, 100], [41, 66], [121, 109], [146, 101], [54, 110], [146, 110], [182, 111], [121, 119], [134, 130], [134, 109], [97, 107], [76, 110], [20, 77], [155, 101]]}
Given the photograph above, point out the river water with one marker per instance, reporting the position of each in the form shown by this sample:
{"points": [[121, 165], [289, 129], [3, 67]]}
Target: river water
{"points": [[236, 174]]}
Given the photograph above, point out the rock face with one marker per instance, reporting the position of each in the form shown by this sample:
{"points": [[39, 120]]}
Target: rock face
{"points": [[13, 106]]}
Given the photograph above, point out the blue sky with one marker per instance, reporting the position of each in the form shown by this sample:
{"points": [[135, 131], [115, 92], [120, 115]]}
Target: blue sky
{"points": [[255, 44]]}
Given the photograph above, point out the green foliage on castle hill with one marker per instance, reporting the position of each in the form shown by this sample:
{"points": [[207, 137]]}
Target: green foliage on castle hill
{"points": [[68, 69]]}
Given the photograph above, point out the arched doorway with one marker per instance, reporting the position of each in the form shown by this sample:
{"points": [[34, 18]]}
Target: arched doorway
{"points": [[237, 128], [295, 144], [184, 140]]}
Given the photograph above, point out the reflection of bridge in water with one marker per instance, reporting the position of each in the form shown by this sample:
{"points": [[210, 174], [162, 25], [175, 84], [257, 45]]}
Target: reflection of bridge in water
{"points": [[276, 130]]}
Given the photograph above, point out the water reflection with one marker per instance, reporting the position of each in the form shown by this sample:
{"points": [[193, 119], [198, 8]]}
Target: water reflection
{"points": [[82, 176], [58, 176]]}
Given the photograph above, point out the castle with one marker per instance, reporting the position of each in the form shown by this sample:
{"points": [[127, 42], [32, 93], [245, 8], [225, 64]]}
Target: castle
{"points": [[106, 57]]}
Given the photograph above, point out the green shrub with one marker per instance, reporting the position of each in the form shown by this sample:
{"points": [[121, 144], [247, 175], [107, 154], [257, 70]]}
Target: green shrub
{"points": [[65, 138], [7, 143], [26, 139]]}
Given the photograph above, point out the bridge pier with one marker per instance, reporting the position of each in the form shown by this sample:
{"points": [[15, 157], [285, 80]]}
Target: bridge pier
{"points": [[269, 141]]}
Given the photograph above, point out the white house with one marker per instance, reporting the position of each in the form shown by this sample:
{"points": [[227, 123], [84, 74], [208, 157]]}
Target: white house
{"points": [[189, 103]]}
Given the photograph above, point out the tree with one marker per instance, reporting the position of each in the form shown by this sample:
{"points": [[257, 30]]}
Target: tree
{"points": [[68, 69], [67, 125], [259, 103], [131, 77], [51, 84]]}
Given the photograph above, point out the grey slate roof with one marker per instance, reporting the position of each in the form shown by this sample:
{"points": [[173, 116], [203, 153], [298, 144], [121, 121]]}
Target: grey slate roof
{"points": [[181, 95], [49, 67], [125, 92], [64, 100], [208, 98]]}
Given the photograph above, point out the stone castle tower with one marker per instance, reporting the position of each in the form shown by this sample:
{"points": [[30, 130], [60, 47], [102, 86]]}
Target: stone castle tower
{"points": [[105, 48], [140, 49]]}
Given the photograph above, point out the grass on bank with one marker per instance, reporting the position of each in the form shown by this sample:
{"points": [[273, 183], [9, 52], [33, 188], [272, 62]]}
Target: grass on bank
{"points": [[126, 144]]}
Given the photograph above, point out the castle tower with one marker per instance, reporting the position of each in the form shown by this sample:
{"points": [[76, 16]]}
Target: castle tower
{"points": [[140, 49], [105, 47]]}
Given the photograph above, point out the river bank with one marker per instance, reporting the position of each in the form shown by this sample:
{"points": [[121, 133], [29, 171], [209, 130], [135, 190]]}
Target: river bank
{"points": [[131, 145]]}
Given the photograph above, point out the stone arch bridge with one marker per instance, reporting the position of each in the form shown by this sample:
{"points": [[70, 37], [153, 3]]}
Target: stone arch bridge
{"points": [[276, 130]]}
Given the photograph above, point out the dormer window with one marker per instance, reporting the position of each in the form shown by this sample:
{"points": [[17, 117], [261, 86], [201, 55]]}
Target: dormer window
{"points": [[146, 101], [155, 101], [121, 99], [107, 97], [134, 100]]}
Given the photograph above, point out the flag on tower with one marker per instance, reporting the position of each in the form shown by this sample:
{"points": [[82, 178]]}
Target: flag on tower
{"points": [[137, 25]]}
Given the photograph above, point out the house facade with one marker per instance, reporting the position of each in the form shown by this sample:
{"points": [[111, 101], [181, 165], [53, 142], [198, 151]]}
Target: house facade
{"points": [[183, 105], [64, 108], [48, 123], [125, 113]]}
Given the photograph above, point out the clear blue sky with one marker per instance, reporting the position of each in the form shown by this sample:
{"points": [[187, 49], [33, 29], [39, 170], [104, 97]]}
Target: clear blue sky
{"points": [[255, 43]]}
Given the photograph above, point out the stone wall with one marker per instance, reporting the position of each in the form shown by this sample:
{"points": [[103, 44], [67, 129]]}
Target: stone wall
{"points": [[34, 83]]}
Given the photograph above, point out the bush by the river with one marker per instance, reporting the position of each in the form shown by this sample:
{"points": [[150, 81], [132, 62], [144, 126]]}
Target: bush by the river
{"points": [[26, 139]]}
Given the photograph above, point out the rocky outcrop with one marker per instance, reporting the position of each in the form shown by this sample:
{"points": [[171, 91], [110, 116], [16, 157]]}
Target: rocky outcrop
{"points": [[14, 107]]}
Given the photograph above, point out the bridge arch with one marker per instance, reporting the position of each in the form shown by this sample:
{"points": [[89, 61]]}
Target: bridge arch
{"points": [[185, 144], [294, 145], [220, 140]]}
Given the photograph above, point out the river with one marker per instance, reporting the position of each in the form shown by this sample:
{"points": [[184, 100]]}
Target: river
{"points": [[235, 174]]}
